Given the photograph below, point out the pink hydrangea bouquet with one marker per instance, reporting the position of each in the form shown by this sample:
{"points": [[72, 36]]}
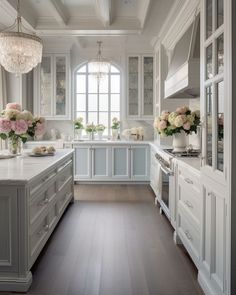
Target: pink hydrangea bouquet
{"points": [[169, 123], [17, 124]]}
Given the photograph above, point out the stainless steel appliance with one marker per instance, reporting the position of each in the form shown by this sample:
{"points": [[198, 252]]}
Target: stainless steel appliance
{"points": [[166, 180]]}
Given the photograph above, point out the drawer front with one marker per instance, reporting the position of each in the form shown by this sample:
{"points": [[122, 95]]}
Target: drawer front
{"points": [[41, 182], [64, 197], [37, 236], [65, 174], [41, 201], [190, 200], [189, 235], [52, 216], [189, 178]]}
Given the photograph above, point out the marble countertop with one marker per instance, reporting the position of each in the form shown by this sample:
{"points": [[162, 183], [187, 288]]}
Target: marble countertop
{"points": [[22, 169]]}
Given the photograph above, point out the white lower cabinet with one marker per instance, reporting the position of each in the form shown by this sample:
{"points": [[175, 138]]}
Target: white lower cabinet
{"points": [[120, 162], [100, 162], [82, 162], [115, 162], [212, 274], [140, 162], [155, 169]]}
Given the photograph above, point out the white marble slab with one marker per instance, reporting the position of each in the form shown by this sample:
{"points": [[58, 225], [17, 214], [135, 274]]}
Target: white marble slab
{"points": [[24, 168]]}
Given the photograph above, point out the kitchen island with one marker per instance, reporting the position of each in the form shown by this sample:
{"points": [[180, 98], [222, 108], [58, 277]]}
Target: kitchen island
{"points": [[34, 193]]}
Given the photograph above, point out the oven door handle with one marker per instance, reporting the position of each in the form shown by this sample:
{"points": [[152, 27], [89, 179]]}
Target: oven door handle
{"points": [[166, 171]]}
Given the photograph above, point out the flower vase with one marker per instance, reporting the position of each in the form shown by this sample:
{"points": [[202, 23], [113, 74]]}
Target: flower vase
{"points": [[114, 134], [90, 135], [78, 134], [179, 141], [100, 134], [14, 145]]}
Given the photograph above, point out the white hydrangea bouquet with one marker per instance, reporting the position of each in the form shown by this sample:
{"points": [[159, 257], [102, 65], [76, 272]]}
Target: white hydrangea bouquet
{"points": [[169, 123]]}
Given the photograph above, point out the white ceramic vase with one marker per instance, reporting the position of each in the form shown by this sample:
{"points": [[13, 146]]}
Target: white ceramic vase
{"points": [[100, 134], [179, 141], [114, 134], [78, 134]]}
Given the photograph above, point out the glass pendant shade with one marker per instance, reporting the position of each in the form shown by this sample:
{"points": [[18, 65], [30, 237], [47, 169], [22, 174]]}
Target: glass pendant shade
{"points": [[99, 67], [19, 52]]}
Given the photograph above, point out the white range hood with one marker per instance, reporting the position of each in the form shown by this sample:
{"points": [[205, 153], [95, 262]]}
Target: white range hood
{"points": [[183, 79]]}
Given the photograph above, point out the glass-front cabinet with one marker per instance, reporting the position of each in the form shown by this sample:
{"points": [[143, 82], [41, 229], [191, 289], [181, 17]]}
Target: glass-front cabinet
{"points": [[213, 92], [140, 87], [51, 90]]}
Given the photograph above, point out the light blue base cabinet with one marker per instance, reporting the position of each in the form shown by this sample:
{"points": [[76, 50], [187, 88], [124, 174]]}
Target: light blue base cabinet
{"points": [[117, 162]]}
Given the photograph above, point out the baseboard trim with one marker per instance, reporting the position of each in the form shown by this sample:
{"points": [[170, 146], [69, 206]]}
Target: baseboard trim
{"points": [[22, 284]]}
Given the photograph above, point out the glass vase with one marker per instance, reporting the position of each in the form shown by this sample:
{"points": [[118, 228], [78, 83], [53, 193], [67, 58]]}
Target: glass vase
{"points": [[14, 145], [78, 134]]}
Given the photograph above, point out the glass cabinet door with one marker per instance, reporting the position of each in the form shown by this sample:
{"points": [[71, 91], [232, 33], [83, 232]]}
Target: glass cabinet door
{"points": [[46, 86], [133, 86], [214, 85], [147, 86], [60, 84]]}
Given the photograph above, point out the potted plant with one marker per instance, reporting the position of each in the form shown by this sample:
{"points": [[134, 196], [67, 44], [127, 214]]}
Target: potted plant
{"points": [[90, 130], [115, 127], [18, 125], [178, 123], [100, 129], [78, 123]]}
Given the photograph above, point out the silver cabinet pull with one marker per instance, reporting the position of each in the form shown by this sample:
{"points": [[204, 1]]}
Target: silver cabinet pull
{"points": [[188, 235], [188, 204], [188, 180]]}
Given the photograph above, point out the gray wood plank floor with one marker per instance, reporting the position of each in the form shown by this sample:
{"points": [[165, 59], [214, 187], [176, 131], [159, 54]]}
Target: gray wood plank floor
{"points": [[114, 248]]}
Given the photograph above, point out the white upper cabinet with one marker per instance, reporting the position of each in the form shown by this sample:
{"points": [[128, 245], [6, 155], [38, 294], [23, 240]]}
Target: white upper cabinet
{"points": [[140, 87], [52, 88], [214, 92]]}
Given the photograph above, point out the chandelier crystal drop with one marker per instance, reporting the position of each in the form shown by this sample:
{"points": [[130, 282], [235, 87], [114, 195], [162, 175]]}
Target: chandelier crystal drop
{"points": [[99, 67], [19, 52]]}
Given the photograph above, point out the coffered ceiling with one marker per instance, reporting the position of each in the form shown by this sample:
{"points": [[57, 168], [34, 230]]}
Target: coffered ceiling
{"points": [[81, 17]]}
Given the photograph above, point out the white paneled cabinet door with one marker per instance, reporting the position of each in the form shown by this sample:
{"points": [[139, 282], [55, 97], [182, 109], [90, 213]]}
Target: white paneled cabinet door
{"points": [[100, 162], [139, 162], [121, 162], [214, 240], [82, 162]]}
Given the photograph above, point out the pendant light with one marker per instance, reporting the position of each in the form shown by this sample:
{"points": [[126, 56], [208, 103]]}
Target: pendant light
{"points": [[19, 52], [99, 67]]}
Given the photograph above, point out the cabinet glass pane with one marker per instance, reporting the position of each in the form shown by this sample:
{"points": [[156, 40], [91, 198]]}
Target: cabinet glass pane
{"points": [[209, 125], [220, 54], [208, 18], [148, 86], [220, 12], [46, 86], [60, 85], [209, 72], [133, 85], [220, 126]]}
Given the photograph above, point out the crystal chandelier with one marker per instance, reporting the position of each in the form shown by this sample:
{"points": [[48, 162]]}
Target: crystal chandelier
{"points": [[99, 67], [19, 52]]}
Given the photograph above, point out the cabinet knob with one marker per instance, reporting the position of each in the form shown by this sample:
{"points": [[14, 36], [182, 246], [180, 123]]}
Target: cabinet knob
{"points": [[189, 204], [188, 235]]}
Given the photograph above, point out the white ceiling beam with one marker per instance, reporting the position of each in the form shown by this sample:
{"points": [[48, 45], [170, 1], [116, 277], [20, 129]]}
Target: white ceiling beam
{"points": [[105, 11], [143, 11], [59, 12]]}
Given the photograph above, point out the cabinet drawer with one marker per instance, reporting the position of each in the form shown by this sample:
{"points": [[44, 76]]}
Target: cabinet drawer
{"points": [[40, 183], [189, 178], [52, 216], [189, 235], [190, 200], [64, 196], [37, 237], [65, 174], [40, 201]]}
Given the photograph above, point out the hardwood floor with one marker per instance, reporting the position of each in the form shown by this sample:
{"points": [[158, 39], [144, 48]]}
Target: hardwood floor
{"points": [[114, 248]]}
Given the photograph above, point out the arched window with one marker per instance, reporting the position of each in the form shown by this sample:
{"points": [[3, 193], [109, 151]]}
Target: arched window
{"points": [[96, 102]]}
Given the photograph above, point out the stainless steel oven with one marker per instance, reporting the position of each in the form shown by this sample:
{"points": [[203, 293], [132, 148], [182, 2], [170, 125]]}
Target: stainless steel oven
{"points": [[166, 175]]}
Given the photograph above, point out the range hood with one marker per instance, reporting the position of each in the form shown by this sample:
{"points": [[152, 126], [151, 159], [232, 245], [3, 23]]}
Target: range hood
{"points": [[183, 79]]}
